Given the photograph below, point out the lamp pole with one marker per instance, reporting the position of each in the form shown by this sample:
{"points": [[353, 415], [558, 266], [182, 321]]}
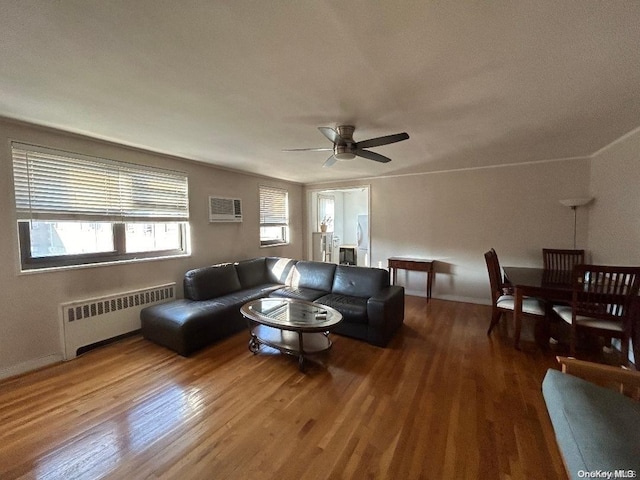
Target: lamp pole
{"points": [[574, 203], [575, 224]]}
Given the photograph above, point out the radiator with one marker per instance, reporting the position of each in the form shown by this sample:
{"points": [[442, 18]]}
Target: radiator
{"points": [[96, 320]]}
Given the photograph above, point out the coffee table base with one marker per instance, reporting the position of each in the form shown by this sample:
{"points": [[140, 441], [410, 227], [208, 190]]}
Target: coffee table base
{"points": [[292, 343]]}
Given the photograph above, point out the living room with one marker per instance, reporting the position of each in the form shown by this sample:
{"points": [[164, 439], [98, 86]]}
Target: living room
{"points": [[473, 184]]}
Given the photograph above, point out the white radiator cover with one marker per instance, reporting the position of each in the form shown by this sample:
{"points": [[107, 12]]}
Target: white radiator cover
{"points": [[85, 322]]}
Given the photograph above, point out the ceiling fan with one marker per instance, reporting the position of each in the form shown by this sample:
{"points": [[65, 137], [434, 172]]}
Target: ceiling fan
{"points": [[345, 148]]}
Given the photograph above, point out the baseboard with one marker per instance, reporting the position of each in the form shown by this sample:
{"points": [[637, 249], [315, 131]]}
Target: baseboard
{"points": [[30, 365], [449, 298], [455, 298]]}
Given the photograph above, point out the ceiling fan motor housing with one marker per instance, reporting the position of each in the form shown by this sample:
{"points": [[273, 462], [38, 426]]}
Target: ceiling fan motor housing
{"points": [[345, 151], [346, 131]]}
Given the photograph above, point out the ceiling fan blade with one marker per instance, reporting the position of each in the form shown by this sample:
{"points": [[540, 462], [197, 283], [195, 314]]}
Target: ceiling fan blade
{"points": [[328, 149], [376, 157], [386, 140], [332, 135], [330, 161]]}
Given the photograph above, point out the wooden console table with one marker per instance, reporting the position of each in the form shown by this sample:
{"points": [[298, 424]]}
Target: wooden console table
{"points": [[415, 264]]}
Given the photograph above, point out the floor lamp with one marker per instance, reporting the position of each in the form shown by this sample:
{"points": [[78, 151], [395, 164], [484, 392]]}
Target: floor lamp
{"points": [[574, 203]]}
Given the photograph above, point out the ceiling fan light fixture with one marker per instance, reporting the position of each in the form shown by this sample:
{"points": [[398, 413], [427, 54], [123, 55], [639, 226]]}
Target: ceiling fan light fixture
{"points": [[342, 152]]}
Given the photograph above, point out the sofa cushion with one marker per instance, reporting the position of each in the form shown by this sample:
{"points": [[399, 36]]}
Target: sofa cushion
{"points": [[308, 294], [240, 297], [279, 269], [211, 282], [315, 275], [252, 272], [353, 309], [596, 428], [359, 281]]}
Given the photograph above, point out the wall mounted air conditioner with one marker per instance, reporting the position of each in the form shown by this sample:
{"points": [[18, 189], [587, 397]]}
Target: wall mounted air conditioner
{"points": [[223, 209]]}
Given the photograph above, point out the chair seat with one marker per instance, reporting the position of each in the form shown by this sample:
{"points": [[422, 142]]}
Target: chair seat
{"points": [[566, 314], [531, 306]]}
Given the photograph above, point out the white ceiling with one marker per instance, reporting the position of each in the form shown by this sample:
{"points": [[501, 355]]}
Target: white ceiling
{"points": [[233, 82]]}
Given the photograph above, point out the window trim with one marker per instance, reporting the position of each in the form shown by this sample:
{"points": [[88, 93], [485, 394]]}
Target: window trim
{"points": [[275, 243]]}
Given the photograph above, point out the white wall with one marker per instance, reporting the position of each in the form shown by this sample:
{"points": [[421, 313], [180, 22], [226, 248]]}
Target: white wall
{"points": [[614, 225], [454, 217], [29, 323]]}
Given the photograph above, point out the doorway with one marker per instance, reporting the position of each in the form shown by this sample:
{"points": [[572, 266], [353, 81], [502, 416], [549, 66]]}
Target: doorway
{"points": [[338, 222]]}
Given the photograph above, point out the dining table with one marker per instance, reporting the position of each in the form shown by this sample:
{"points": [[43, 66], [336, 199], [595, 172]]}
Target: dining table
{"points": [[549, 285]]}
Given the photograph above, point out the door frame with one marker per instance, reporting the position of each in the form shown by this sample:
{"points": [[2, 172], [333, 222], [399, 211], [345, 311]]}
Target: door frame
{"points": [[312, 215]]}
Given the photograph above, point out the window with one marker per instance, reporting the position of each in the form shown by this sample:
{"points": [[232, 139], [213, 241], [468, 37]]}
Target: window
{"points": [[274, 216], [77, 210], [326, 212]]}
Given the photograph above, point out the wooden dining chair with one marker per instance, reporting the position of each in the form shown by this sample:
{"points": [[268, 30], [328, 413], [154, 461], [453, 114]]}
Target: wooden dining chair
{"points": [[561, 260], [603, 301], [502, 299]]}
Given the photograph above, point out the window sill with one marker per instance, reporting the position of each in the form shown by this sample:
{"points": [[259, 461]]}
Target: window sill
{"points": [[274, 245], [32, 271]]}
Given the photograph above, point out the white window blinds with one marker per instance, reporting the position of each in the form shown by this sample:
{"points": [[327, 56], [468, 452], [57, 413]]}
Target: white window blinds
{"points": [[274, 207], [51, 184]]}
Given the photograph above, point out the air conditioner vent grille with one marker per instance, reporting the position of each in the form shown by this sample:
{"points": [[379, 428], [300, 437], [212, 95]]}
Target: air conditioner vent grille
{"points": [[223, 209]]}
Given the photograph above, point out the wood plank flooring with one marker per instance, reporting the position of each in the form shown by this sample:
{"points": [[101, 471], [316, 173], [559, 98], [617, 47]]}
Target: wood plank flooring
{"points": [[444, 401]]}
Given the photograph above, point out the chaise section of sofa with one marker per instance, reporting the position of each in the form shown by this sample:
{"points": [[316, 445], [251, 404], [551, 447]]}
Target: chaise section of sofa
{"points": [[185, 326], [210, 310], [372, 309]]}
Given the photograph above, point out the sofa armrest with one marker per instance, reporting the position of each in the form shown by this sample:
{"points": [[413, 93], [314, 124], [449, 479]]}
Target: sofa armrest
{"points": [[388, 297], [385, 312], [625, 381]]}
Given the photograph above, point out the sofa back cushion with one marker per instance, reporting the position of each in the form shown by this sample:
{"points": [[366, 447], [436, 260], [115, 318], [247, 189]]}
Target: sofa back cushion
{"points": [[279, 269], [211, 282], [315, 275], [252, 272], [359, 281]]}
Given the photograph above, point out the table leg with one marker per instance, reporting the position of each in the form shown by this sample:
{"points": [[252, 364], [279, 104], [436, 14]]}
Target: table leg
{"points": [[429, 284], [254, 344], [301, 357], [543, 327], [517, 318], [394, 275]]}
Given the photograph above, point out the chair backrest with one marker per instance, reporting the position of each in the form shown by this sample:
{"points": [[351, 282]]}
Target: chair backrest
{"points": [[561, 260], [605, 292], [495, 274]]}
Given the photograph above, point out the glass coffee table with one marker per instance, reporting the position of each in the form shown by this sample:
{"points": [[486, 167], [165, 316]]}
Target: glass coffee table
{"points": [[292, 326]]}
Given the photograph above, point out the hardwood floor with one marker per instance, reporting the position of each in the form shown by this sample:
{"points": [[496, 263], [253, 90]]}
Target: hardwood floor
{"points": [[444, 401]]}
